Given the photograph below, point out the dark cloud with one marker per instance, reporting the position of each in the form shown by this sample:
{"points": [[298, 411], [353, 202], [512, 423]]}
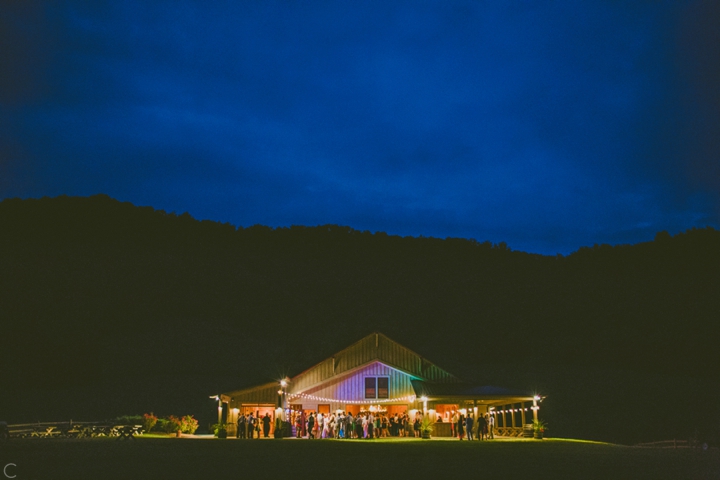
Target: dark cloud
{"points": [[548, 127]]}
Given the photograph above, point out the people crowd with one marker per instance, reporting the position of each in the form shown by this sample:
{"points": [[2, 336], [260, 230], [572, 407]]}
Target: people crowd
{"points": [[346, 425], [365, 425], [334, 425], [250, 426], [482, 428]]}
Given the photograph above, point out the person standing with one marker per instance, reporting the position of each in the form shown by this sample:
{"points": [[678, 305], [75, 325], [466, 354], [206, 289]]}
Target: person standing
{"points": [[455, 419], [311, 426], [349, 425], [341, 425], [491, 426], [241, 426], [298, 425], [469, 427], [320, 425], [316, 429], [331, 426], [416, 425], [327, 419], [250, 425], [266, 425], [482, 427]]}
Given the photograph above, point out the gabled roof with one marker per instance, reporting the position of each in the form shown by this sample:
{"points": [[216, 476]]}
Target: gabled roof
{"points": [[426, 378], [373, 347]]}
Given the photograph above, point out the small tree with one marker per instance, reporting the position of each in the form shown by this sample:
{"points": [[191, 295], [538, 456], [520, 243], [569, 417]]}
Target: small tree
{"points": [[173, 425], [149, 421], [188, 424], [539, 426], [426, 426], [219, 429]]}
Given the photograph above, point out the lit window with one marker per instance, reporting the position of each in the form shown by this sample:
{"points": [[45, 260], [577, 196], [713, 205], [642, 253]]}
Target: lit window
{"points": [[370, 390], [382, 383], [377, 387]]}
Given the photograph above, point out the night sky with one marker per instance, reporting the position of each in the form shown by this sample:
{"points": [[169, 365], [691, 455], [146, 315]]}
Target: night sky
{"points": [[546, 125]]}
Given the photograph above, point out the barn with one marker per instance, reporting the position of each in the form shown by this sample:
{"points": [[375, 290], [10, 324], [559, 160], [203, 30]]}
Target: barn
{"points": [[378, 374]]}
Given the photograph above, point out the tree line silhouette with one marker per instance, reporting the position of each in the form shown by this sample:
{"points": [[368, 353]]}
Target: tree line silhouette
{"points": [[95, 293]]}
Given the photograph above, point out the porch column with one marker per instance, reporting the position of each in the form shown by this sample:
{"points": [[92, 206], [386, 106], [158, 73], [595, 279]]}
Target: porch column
{"points": [[535, 409], [522, 413], [512, 415]]}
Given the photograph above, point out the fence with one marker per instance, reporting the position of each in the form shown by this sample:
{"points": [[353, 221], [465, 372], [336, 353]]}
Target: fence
{"points": [[674, 443], [72, 429]]}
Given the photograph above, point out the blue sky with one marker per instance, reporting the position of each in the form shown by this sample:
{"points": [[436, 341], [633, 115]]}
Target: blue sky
{"points": [[546, 125]]}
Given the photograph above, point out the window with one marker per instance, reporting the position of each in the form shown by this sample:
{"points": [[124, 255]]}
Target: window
{"points": [[370, 390], [377, 387], [382, 390]]}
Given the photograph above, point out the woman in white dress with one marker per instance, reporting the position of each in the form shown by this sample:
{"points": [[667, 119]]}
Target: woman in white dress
{"points": [[326, 427], [321, 424]]}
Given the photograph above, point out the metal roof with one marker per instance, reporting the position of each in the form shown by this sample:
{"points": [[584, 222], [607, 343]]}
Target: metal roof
{"points": [[430, 389]]}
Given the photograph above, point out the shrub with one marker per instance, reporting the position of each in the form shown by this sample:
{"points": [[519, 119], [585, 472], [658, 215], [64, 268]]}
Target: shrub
{"points": [[426, 425], [173, 424], [149, 421], [162, 425], [217, 427], [539, 426], [188, 424]]}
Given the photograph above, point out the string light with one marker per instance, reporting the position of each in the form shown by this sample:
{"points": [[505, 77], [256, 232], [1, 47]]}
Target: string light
{"points": [[409, 398]]}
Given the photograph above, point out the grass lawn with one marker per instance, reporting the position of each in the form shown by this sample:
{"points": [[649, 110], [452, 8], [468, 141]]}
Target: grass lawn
{"points": [[173, 458]]}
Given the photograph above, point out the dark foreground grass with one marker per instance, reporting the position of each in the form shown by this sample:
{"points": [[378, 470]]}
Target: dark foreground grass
{"points": [[169, 458]]}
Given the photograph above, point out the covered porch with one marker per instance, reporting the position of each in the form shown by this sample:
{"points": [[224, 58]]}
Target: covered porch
{"points": [[513, 411]]}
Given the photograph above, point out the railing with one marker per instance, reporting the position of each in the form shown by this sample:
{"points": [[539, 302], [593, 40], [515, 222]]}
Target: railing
{"points": [[509, 431]]}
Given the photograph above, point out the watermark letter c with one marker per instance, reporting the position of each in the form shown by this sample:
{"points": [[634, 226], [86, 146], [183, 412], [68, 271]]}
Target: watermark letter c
{"points": [[5, 470]]}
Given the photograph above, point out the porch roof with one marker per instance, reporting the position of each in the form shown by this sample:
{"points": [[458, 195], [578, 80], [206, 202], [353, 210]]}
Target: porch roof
{"points": [[467, 390]]}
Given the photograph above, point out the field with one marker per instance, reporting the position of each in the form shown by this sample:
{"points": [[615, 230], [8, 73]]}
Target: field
{"points": [[94, 458]]}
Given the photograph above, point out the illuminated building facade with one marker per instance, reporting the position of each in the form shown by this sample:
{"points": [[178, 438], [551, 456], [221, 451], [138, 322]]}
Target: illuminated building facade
{"points": [[378, 374]]}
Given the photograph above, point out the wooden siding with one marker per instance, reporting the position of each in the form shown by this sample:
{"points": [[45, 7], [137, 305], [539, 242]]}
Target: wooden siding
{"points": [[264, 394], [375, 346], [352, 387]]}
